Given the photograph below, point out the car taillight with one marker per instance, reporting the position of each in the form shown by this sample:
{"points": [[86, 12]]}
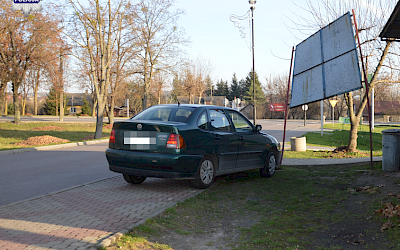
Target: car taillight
{"points": [[112, 136], [176, 142]]}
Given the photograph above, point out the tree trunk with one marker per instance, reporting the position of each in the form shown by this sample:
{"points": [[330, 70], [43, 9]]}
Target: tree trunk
{"points": [[99, 118], [5, 102], [35, 91], [352, 145], [23, 105], [94, 103], [56, 100], [35, 104], [111, 111], [17, 117], [3, 96], [145, 97]]}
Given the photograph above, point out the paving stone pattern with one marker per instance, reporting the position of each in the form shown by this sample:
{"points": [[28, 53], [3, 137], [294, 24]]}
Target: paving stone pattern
{"points": [[85, 216]]}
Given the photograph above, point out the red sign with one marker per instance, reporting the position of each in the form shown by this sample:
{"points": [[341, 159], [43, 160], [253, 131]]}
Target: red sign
{"points": [[280, 107]]}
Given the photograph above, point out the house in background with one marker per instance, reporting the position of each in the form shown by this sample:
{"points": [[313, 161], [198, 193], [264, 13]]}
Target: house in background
{"points": [[75, 102]]}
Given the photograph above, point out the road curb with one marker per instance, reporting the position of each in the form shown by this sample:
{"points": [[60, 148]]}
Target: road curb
{"points": [[328, 162], [50, 147]]}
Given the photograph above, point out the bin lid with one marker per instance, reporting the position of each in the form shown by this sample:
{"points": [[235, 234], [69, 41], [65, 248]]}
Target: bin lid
{"points": [[391, 131]]}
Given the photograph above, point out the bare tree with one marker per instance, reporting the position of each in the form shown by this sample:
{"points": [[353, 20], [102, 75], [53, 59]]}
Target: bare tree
{"points": [[95, 31], [21, 39], [371, 16], [154, 24]]}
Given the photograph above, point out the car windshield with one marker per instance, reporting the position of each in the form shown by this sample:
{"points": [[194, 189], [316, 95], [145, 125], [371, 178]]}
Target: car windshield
{"points": [[162, 113]]}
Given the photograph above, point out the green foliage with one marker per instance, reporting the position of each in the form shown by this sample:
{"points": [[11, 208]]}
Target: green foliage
{"points": [[249, 96], [86, 107], [10, 108], [50, 105], [237, 88], [222, 89]]}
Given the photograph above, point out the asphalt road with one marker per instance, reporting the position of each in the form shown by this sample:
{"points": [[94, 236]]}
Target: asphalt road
{"points": [[27, 175], [32, 174]]}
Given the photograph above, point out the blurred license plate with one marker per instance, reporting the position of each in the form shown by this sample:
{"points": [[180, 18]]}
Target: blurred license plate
{"points": [[140, 140]]}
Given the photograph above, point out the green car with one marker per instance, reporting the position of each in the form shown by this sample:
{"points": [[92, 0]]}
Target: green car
{"points": [[197, 142]]}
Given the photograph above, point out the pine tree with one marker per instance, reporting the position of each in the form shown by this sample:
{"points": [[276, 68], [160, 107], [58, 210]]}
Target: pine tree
{"points": [[235, 87], [249, 95], [50, 105], [222, 88], [86, 107]]}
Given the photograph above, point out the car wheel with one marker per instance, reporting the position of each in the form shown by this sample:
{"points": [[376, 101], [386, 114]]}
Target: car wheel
{"points": [[269, 165], [205, 175], [133, 179]]}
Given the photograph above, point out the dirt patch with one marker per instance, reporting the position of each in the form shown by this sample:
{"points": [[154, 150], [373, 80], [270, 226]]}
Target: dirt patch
{"points": [[342, 152], [108, 126], [49, 128], [41, 140], [87, 138]]}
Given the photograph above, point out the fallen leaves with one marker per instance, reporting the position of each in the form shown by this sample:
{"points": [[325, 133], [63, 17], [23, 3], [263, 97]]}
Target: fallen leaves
{"points": [[41, 140], [390, 211], [366, 189], [355, 239]]}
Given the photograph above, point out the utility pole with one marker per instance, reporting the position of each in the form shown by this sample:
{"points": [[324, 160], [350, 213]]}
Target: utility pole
{"points": [[252, 7]]}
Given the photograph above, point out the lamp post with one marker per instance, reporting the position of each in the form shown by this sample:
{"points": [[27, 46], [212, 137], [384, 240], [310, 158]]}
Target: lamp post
{"points": [[252, 7]]}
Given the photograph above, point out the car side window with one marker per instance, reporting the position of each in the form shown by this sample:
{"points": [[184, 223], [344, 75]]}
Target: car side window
{"points": [[202, 122], [219, 121], [241, 124]]}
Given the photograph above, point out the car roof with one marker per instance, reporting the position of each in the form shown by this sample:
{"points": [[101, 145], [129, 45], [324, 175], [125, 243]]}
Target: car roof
{"points": [[192, 106]]}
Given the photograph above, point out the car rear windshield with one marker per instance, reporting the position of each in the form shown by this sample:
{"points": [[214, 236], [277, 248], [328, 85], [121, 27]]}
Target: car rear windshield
{"points": [[157, 113]]}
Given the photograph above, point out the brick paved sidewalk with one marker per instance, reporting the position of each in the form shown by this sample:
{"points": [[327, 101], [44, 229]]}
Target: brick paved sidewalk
{"points": [[86, 216]]}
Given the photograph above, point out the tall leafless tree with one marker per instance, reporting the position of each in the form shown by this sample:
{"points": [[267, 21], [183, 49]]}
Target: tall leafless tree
{"points": [[95, 31], [154, 24]]}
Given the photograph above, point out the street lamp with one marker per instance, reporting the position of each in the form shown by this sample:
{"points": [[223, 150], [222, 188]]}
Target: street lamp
{"points": [[252, 7]]}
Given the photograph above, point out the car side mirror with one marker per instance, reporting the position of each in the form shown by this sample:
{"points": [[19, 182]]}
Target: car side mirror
{"points": [[258, 128]]}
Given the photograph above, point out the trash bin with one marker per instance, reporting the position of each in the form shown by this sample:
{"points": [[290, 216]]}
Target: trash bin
{"points": [[390, 150]]}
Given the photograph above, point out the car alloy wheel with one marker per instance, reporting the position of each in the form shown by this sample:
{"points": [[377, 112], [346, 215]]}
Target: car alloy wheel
{"points": [[270, 166], [205, 173]]}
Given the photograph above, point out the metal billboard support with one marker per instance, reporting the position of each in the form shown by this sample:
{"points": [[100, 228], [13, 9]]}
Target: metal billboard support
{"points": [[286, 105], [367, 88]]}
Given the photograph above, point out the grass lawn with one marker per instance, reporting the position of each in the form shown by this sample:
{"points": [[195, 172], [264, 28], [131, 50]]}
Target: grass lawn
{"points": [[298, 208], [340, 137], [74, 132]]}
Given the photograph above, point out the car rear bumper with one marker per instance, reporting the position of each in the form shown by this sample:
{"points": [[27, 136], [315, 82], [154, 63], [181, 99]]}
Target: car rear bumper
{"points": [[153, 164]]}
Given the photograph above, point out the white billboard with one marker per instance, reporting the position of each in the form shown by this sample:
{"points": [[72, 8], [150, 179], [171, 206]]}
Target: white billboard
{"points": [[326, 64]]}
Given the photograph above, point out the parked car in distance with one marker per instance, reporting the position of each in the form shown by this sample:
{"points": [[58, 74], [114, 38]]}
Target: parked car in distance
{"points": [[197, 142]]}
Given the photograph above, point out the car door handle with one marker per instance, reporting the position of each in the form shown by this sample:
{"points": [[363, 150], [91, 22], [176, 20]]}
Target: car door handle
{"points": [[241, 138], [217, 137]]}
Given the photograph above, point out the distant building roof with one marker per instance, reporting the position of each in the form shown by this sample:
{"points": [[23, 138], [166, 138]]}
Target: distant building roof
{"points": [[392, 27], [76, 99]]}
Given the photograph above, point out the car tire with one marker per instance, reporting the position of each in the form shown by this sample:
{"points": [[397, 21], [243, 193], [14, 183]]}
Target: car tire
{"points": [[205, 175], [133, 179], [269, 165]]}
